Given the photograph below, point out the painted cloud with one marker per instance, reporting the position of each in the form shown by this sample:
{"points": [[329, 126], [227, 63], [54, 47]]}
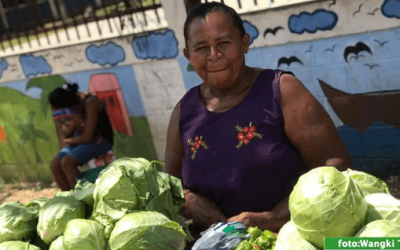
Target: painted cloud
{"points": [[156, 46], [3, 66], [32, 65], [311, 23], [108, 53], [251, 30], [391, 8]]}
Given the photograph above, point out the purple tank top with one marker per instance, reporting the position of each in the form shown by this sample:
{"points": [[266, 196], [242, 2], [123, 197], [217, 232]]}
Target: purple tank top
{"points": [[241, 159]]}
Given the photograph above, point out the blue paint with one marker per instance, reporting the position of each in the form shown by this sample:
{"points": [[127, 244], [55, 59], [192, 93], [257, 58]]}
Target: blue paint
{"points": [[318, 20], [20, 86], [190, 78], [3, 66], [379, 143], [127, 80], [109, 53], [391, 8], [156, 46], [354, 77], [32, 65], [251, 30]]}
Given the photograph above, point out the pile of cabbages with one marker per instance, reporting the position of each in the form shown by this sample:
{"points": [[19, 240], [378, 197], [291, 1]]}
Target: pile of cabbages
{"points": [[132, 205], [328, 203]]}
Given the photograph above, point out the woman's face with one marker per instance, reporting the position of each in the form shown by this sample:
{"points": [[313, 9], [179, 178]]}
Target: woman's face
{"points": [[216, 49]]}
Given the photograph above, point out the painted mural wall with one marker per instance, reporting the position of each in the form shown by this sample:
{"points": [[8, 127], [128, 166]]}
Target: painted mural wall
{"points": [[345, 53]]}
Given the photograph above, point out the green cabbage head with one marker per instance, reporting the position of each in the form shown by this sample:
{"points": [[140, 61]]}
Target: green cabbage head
{"points": [[380, 228], [130, 184], [17, 245], [368, 183], [17, 222], [57, 244], [382, 207], [37, 204], [147, 230], [326, 203], [83, 234], [83, 191], [289, 238], [55, 214]]}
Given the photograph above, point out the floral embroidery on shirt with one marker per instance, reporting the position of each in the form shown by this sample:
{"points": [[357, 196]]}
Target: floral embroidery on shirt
{"points": [[246, 134], [195, 146]]}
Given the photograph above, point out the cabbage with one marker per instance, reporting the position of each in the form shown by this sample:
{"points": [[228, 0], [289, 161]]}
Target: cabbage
{"points": [[37, 204], [369, 184], [17, 222], [380, 228], [130, 184], [326, 203], [289, 238], [146, 230], [83, 234], [83, 191], [57, 244], [17, 245], [55, 214], [382, 206]]}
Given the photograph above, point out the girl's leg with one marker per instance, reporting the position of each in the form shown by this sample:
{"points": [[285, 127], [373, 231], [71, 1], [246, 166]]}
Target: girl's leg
{"points": [[59, 175], [70, 167]]}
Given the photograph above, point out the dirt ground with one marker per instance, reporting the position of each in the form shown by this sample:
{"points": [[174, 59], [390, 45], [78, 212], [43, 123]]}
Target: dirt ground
{"points": [[24, 192]]}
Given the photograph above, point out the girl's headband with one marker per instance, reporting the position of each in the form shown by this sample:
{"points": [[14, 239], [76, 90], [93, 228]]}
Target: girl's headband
{"points": [[62, 113]]}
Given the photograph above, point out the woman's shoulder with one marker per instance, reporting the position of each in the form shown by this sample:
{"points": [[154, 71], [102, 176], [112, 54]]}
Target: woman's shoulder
{"points": [[191, 94]]}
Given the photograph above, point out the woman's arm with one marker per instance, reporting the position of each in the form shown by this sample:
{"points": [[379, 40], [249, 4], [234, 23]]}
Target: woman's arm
{"points": [[92, 108], [201, 209], [309, 127]]}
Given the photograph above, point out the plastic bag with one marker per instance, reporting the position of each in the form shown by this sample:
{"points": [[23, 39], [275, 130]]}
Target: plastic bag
{"points": [[222, 236]]}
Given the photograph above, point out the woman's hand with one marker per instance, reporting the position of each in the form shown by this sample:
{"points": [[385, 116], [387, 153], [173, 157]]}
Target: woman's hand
{"points": [[271, 220], [201, 209], [264, 220]]}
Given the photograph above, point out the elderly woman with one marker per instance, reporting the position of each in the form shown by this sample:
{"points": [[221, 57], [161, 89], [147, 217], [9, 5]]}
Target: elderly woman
{"points": [[84, 131], [240, 140]]}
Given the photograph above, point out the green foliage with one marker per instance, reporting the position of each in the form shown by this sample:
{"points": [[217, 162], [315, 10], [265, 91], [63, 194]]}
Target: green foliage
{"points": [[46, 84]]}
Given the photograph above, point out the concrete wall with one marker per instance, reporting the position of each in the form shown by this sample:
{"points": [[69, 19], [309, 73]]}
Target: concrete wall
{"points": [[345, 53]]}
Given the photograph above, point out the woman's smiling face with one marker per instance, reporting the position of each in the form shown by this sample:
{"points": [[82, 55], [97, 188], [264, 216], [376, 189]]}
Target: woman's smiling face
{"points": [[216, 49]]}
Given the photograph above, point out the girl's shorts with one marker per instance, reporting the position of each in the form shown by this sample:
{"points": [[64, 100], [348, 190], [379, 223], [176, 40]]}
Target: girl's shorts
{"points": [[85, 152]]}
